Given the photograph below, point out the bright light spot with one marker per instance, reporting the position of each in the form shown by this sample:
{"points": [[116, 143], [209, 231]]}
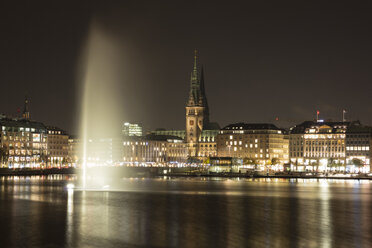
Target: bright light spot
{"points": [[70, 186]]}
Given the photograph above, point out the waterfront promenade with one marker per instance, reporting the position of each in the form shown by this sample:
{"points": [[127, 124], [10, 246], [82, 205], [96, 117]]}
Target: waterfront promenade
{"points": [[172, 172]]}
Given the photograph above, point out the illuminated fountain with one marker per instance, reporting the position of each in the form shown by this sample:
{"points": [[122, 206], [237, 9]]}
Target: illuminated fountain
{"points": [[100, 101]]}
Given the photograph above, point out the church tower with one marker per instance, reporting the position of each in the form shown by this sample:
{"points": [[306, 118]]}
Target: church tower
{"points": [[197, 112], [26, 111]]}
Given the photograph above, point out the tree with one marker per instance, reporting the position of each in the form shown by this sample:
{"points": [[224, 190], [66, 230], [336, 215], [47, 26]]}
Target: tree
{"points": [[64, 161], [43, 158], [4, 154], [249, 161], [315, 164], [358, 162], [339, 165], [275, 161]]}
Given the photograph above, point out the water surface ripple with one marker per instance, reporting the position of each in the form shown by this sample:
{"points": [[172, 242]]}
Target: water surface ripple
{"points": [[40, 211]]}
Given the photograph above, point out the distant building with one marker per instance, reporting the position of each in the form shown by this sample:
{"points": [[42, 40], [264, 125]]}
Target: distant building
{"points": [[24, 143], [57, 146], [132, 129], [315, 146], [178, 133], [207, 143], [155, 149], [259, 142], [358, 147], [197, 117], [26, 110], [74, 153], [104, 151]]}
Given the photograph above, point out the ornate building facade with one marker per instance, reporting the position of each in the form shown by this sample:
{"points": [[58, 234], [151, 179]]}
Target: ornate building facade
{"points": [[315, 146], [262, 143]]}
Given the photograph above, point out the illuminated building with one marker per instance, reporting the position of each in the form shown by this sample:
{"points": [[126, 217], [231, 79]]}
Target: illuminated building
{"points": [[154, 148], [207, 145], [358, 147], [261, 143], [74, 151], [24, 141], [132, 129], [57, 146], [177, 133], [104, 151], [317, 146], [200, 142]]}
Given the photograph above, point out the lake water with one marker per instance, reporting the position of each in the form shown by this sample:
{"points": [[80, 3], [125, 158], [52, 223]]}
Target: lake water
{"points": [[186, 212]]}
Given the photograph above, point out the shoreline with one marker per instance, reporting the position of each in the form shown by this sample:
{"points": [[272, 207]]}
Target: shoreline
{"points": [[4, 172]]}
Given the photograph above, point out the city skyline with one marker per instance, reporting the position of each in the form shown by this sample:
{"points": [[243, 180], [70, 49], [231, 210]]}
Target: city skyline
{"points": [[185, 123], [262, 61]]}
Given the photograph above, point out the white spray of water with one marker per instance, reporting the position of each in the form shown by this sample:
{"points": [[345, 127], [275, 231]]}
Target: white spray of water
{"points": [[100, 102]]}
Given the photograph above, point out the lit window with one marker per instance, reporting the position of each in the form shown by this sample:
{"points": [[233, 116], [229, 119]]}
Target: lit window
{"points": [[231, 137]]}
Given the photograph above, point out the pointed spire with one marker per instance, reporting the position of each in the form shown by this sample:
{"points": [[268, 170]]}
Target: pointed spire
{"points": [[204, 96], [194, 95], [194, 75]]}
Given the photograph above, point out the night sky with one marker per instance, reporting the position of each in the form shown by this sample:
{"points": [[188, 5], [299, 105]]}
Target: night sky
{"points": [[262, 59]]}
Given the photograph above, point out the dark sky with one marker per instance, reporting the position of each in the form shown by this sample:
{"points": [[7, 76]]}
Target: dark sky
{"points": [[262, 59]]}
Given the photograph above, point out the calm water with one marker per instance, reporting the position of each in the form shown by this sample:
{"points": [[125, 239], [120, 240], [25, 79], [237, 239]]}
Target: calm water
{"points": [[186, 212]]}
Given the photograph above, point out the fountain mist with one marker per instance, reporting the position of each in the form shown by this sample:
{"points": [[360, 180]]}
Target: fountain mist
{"points": [[100, 100]]}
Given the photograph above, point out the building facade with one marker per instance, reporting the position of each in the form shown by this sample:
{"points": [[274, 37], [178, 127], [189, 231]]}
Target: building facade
{"points": [[74, 151], [132, 129], [154, 149], [57, 146], [358, 147], [104, 151], [178, 133], [316, 146], [262, 143], [24, 143], [207, 145]]}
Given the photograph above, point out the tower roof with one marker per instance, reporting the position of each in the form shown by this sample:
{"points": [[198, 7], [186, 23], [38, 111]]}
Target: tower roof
{"points": [[197, 95]]}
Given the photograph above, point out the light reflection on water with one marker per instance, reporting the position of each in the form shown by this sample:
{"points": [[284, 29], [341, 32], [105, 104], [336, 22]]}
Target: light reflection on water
{"points": [[188, 212]]}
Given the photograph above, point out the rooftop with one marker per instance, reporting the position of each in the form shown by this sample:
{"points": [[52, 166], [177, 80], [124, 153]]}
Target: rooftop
{"points": [[251, 126]]}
